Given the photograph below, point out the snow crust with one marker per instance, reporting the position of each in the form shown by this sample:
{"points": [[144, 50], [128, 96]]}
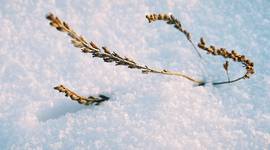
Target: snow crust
{"points": [[145, 111]]}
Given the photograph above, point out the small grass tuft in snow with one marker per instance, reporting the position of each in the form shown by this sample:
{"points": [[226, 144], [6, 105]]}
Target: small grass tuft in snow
{"points": [[109, 57]]}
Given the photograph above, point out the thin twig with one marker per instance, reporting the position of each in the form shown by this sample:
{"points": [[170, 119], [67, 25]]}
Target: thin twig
{"points": [[227, 73]]}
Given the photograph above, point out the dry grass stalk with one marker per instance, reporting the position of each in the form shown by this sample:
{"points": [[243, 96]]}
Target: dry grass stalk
{"points": [[80, 99], [170, 19], [108, 56], [247, 63], [105, 54]]}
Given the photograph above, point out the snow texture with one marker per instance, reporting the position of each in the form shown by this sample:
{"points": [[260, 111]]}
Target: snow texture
{"points": [[145, 111]]}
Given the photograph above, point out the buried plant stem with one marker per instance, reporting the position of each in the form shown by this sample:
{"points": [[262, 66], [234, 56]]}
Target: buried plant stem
{"points": [[222, 82], [80, 99], [229, 81]]}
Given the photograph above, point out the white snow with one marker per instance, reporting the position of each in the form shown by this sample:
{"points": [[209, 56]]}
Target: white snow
{"points": [[145, 111]]}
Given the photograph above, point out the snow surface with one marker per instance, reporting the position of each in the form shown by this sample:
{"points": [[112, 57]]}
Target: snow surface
{"points": [[145, 111]]}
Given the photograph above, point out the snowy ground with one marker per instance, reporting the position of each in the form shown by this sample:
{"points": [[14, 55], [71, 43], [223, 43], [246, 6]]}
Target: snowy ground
{"points": [[145, 111]]}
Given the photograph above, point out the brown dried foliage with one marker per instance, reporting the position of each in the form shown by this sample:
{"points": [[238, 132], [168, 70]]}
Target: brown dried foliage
{"points": [[108, 56], [247, 63], [104, 53], [80, 99]]}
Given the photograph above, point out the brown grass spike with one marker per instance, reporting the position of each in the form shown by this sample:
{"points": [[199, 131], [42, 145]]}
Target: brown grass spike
{"points": [[247, 63], [80, 99], [105, 54]]}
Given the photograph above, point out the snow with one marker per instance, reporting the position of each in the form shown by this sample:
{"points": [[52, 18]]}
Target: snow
{"points": [[145, 111]]}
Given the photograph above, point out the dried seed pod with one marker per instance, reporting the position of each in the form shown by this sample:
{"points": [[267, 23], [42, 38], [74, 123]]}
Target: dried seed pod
{"points": [[155, 16], [188, 36], [85, 50], [160, 16], [249, 68], [57, 20], [173, 18], [212, 47], [151, 18], [165, 17], [93, 45], [178, 26], [82, 39], [68, 93], [74, 97], [66, 25], [50, 16], [226, 65], [60, 29], [82, 101], [202, 41], [242, 58], [76, 43], [131, 66], [233, 52], [54, 24], [145, 71], [200, 45], [106, 50]]}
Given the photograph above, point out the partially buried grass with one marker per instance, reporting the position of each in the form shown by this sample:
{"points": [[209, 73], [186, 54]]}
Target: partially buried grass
{"points": [[108, 56]]}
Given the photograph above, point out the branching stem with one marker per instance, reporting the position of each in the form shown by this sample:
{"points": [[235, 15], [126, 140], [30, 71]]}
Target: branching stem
{"points": [[107, 56]]}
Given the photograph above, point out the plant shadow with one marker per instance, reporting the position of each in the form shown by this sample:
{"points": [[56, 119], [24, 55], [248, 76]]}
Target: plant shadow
{"points": [[60, 109]]}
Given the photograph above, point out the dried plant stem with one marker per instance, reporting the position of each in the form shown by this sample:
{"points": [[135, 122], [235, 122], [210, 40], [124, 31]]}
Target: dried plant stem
{"points": [[247, 63], [229, 81], [108, 56], [80, 99], [197, 51], [166, 72], [227, 73], [105, 53], [170, 19]]}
